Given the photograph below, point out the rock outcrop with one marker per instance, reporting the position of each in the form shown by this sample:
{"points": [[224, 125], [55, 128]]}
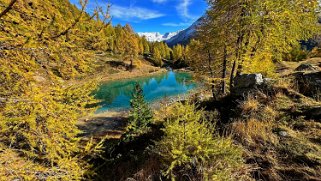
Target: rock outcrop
{"points": [[309, 83], [307, 67], [245, 83]]}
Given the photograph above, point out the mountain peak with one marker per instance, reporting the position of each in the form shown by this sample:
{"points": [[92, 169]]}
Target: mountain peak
{"points": [[183, 37], [157, 37]]}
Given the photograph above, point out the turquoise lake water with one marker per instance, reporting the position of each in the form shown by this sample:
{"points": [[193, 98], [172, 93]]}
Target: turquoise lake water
{"points": [[116, 95]]}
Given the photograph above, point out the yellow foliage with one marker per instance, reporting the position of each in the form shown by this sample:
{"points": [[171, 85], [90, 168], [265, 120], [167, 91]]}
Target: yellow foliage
{"points": [[42, 126], [262, 63], [38, 109], [190, 142]]}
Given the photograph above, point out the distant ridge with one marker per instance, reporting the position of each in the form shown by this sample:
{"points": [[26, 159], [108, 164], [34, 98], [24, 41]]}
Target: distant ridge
{"points": [[180, 37], [157, 37], [183, 37]]}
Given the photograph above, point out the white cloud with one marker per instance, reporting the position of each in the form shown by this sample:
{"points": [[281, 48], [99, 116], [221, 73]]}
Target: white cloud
{"points": [[182, 9], [127, 13], [176, 24], [159, 1]]}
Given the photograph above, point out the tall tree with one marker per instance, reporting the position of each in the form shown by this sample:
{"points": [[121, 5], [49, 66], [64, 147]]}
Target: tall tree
{"points": [[177, 52], [131, 45], [140, 115], [251, 34]]}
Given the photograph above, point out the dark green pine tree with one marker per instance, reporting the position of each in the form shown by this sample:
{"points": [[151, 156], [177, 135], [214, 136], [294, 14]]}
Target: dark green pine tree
{"points": [[140, 115]]}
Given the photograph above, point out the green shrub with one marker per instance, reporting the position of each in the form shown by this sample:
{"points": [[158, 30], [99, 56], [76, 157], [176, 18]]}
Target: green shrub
{"points": [[189, 147]]}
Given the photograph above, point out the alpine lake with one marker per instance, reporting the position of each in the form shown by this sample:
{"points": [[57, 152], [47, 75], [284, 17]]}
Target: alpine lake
{"points": [[116, 95]]}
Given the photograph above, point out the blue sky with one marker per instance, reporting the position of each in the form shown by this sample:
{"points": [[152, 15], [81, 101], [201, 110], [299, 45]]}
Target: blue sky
{"points": [[153, 15]]}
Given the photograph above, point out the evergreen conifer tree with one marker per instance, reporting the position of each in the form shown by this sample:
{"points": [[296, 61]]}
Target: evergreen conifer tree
{"points": [[140, 115]]}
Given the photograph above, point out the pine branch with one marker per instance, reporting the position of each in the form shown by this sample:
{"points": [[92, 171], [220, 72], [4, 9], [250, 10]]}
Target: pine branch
{"points": [[5, 11], [77, 20]]}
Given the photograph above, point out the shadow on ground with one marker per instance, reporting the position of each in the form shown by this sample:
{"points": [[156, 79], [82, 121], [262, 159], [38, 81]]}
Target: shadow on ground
{"points": [[111, 123]]}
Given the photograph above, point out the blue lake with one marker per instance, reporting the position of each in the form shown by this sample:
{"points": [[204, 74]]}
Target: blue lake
{"points": [[116, 95]]}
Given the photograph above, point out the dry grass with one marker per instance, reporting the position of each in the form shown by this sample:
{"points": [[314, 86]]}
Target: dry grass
{"points": [[279, 138], [269, 114], [110, 123], [288, 83], [301, 144], [108, 73], [253, 131], [250, 105]]}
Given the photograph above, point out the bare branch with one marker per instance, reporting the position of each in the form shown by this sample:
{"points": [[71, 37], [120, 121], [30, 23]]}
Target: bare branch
{"points": [[5, 11], [83, 7]]}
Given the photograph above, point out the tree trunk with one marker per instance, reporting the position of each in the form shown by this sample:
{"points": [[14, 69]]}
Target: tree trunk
{"points": [[240, 65], [237, 58], [240, 40], [5, 11], [232, 75], [224, 71], [131, 63], [211, 74], [245, 35]]}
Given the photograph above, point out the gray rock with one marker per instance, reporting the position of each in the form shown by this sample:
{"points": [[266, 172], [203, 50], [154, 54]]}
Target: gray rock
{"points": [[245, 83], [283, 133], [248, 80], [307, 67], [309, 84]]}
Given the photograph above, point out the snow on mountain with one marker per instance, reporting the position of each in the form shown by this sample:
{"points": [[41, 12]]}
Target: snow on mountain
{"points": [[184, 36], [180, 37], [157, 37]]}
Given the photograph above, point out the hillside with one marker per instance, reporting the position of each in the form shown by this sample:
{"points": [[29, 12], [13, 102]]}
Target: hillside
{"points": [[274, 124]]}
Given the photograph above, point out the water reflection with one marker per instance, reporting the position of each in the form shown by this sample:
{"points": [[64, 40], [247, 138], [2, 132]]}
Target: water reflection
{"points": [[117, 94]]}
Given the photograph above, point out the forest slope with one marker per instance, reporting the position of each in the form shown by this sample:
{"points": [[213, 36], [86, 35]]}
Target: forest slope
{"points": [[43, 43]]}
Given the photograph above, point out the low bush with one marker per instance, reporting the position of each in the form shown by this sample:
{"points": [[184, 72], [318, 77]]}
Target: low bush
{"points": [[190, 149]]}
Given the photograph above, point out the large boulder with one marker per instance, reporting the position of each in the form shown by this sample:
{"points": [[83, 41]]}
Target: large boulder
{"points": [[309, 84], [244, 83], [306, 67], [248, 80]]}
